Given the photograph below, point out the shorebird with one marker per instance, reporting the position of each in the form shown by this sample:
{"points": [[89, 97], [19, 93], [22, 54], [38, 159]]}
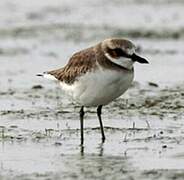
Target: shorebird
{"points": [[97, 75]]}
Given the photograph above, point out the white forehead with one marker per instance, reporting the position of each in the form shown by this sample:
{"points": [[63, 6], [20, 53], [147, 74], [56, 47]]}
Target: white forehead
{"points": [[130, 51]]}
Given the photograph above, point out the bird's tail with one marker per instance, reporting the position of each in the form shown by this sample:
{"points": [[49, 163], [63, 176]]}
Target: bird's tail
{"points": [[47, 76]]}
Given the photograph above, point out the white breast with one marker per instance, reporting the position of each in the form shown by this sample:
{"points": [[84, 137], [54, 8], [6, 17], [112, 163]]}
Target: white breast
{"points": [[99, 87]]}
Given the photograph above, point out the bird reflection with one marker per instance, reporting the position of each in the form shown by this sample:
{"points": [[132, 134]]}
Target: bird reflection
{"points": [[100, 149]]}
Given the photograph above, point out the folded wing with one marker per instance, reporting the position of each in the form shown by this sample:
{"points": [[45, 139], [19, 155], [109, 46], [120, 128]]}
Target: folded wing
{"points": [[79, 64]]}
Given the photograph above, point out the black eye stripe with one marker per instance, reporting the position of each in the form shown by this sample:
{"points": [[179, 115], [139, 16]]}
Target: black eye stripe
{"points": [[118, 52]]}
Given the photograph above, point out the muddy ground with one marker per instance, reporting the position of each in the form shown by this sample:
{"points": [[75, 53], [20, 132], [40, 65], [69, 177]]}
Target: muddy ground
{"points": [[39, 125]]}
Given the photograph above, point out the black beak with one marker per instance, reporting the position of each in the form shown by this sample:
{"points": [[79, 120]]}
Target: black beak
{"points": [[139, 59]]}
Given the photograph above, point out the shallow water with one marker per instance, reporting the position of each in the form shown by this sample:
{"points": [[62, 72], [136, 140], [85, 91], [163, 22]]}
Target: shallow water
{"points": [[39, 126]]}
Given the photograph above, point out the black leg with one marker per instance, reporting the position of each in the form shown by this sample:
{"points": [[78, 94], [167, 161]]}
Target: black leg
{"points": [[81, 124], [99, 112]]}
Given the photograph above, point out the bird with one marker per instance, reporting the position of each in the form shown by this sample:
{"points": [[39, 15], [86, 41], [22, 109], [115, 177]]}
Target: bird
{"points": [[97, 75]]}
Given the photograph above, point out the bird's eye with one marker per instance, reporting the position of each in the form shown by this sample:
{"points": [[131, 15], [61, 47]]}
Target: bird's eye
{"points": [[117, 53], [120, 52]]}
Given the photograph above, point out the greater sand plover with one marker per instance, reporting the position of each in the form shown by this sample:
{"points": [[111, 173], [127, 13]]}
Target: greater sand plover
{"points": [[97, 75]]}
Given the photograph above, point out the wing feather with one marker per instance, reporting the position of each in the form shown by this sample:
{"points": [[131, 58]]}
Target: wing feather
{"points": [[79, 64]]}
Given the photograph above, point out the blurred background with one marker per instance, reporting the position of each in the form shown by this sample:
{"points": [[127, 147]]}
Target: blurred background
{"points": [[39, 127], [41, 35]]}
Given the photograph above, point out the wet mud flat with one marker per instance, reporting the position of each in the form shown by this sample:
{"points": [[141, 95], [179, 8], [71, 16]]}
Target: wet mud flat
{"points": [[41, 140], [39, 125]]}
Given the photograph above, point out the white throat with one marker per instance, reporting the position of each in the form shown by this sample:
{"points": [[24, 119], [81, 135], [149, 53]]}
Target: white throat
{"points": [[123, 61]]}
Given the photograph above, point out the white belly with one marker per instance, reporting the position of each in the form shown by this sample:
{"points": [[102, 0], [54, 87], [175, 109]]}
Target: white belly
{"points": [[99, 87]]}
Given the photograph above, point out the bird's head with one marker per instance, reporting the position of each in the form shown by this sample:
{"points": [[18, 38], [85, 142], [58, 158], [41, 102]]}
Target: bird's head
{"points": [[121, 52]]}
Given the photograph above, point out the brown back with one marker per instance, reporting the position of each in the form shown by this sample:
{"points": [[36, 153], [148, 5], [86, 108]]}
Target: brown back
{"points": [[80, 63]]}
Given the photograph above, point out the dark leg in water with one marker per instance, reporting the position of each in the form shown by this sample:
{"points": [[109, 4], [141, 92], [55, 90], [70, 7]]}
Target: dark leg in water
{"points": [[99, 112], [82, 124]]}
